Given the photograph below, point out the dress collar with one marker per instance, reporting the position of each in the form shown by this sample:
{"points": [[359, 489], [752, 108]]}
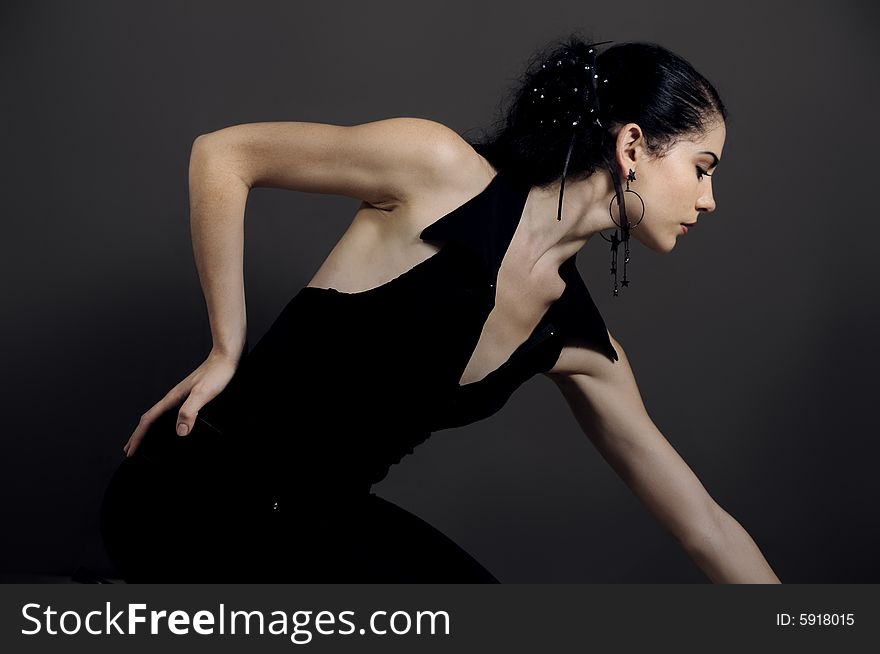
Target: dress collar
{"points": [[486, 222]]}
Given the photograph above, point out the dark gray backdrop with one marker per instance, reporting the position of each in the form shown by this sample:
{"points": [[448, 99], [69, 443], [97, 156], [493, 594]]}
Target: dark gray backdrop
{"points": [[753, 342]]}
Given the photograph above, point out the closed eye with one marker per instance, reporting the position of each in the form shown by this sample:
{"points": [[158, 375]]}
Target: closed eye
{"points": [[701, 172]]}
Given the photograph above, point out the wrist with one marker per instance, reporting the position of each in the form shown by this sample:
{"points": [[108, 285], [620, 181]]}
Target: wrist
{"points": [[226, 353]]}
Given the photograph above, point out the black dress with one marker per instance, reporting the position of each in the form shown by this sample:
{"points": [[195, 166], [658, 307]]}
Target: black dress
{"points": [[273, 484]]}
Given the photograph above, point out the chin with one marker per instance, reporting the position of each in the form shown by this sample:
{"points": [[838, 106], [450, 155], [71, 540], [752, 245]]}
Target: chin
{"points": [[657, 244]]}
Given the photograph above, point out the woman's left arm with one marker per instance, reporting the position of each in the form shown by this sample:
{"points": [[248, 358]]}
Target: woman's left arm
{"points": [[605, 400]]}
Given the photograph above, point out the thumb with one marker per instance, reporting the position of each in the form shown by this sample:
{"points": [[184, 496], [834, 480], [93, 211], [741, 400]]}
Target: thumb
{"points": [[185, 418]]}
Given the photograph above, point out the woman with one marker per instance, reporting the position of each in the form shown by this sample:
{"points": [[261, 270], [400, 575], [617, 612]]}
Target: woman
{"points": [[455, 283]]}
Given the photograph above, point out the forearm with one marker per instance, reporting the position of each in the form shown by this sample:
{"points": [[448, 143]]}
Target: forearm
{"points": [[217, 204], [728, 555]]}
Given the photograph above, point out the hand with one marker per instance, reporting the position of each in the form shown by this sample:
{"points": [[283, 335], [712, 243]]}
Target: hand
{"points": [[199, 387]]}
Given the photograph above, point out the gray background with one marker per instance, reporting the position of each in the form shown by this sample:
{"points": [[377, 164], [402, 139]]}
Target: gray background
{"points": [[753, 342]]}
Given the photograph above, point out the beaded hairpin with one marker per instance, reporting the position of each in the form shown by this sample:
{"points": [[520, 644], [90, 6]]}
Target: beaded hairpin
{"points": [[589, 95]]}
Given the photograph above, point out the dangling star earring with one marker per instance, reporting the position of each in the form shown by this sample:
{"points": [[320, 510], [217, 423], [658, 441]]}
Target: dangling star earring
{"points": [[624, 225]]}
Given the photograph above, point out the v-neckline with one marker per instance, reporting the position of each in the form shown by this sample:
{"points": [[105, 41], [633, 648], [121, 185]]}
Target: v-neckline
{"points": [[505, 218], [499, 208]]}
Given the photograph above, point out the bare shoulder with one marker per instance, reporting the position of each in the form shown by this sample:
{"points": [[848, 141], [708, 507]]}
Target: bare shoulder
{"points": [[452, 173], [579, 358], [603, 392], [438, 156], [442, 173]]}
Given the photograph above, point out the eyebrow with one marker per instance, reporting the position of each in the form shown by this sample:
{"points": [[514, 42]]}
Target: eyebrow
{"points": [[715, 158]]}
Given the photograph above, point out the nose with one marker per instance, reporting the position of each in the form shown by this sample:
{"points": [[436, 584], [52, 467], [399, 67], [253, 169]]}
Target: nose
{"points": [[706, 202]]}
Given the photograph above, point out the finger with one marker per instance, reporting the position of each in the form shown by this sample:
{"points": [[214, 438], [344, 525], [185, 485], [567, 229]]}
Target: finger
{"points": [[132, 445], [143, 425], [146, 421], [186, 416]]}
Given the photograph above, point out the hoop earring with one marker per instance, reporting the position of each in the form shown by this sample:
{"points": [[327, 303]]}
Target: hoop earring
{"points": [[625, 227]]}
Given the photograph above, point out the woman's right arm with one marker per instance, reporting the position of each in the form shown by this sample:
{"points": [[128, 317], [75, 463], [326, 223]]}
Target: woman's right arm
{"points": [[384, 163]]}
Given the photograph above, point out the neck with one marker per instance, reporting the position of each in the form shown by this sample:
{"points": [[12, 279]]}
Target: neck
{"points": [[584, 214]]}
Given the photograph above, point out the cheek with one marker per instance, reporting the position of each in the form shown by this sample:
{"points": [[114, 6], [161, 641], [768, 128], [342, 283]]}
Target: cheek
{"points": [[670, 200], [660, 201]]}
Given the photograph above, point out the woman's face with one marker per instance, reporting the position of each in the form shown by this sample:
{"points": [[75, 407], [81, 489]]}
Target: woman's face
{"points": [[676, 188]]}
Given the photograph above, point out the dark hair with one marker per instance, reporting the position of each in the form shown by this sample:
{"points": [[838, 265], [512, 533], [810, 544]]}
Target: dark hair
{"points": [[646, 84]]}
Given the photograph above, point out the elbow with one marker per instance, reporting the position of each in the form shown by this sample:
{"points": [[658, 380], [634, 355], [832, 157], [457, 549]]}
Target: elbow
{"points": [[212, 154], [204, 141], [214, 141], [223, 136], [202, 147]]}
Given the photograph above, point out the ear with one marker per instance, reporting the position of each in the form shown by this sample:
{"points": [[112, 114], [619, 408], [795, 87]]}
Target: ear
{"points": [[630, 148]]}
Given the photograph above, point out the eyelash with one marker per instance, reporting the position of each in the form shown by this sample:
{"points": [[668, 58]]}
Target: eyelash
{"points": [[701, 172]]}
